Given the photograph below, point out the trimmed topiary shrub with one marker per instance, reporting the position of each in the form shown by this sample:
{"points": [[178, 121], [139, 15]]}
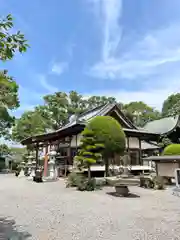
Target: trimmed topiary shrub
{"points": [[109, 132], [172, 149], [90, 150]]}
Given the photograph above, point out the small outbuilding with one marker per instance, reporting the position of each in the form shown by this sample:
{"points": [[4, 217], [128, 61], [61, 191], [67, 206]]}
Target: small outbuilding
{"points": [[165, 165]]}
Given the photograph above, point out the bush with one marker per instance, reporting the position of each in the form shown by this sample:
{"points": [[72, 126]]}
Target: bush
{"points": [[87, 185], [158, 183], [74, 179], [172, 149]]}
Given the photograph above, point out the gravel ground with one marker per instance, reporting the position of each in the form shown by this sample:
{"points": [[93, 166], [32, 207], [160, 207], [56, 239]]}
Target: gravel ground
{"points": [[50, 211]]}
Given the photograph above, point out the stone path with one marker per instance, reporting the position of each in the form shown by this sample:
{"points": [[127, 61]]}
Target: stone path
{"points": [[50, 211]]}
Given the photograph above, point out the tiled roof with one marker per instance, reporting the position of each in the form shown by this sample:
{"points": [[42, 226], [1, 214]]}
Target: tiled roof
{"points": [[88, 115], [162, 126]]}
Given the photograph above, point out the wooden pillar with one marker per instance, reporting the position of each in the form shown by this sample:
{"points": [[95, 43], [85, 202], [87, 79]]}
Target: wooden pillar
{"points": [[46, 161], [67, 159], [37, 148], [128, 149], [140, 153]]}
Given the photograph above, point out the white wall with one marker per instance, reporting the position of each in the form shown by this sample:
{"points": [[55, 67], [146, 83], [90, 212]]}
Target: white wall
{"points": [[73, 141], [167, 169], [133, 143]]}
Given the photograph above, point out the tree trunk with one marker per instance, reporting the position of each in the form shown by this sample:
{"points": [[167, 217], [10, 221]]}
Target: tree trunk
{"points": [[106, 166], [89, 173]]}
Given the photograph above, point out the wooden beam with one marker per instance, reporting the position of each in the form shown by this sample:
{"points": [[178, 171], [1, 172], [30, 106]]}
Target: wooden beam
{"points": [[140, 152], [37, 148], [46, 161]]}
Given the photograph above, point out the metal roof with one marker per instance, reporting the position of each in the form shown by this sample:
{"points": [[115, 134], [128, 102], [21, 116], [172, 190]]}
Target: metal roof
{"points": [[162, 158], [98, 111], [162, 126]]}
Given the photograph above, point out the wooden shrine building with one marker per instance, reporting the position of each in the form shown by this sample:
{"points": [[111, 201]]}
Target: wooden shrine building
{"points": [[67, 139]]}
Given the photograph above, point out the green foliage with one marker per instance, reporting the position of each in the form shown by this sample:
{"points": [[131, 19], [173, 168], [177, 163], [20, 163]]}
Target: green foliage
{"points": [[87, 185], [172, 149], [96, 101], [78, 180], [158, 182], [31, 123], [90, 148], [58, 107], [74, 179], [164, 142], [109, 133], [140, 113], [10, 42], [4, 150], [8, 101], [171, 105]]}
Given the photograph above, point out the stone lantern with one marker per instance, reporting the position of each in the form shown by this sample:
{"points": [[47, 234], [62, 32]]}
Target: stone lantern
{"points": [[33, 168], [22, 166], [29, 164], [51, 164]]}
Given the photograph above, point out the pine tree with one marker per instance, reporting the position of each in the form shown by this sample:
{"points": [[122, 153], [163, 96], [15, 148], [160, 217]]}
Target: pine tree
{"points": [[90, 150]]}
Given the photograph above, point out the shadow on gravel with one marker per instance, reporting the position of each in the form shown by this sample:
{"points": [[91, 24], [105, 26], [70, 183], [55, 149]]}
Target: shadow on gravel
{"points": [[130, 195], [8, 231]]}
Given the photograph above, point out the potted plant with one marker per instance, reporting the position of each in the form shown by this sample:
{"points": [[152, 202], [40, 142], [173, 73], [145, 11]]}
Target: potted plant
{"points": [[122, 189]]}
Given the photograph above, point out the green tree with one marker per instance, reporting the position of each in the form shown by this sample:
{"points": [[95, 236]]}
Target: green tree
{"points": [[171, 105], [172, 149], [8, 101], [60, 106], [10, 43], [4, 150], [110, 133], [164, 142], [31, 123], [141, 113], [90, 150], [96, 101]]}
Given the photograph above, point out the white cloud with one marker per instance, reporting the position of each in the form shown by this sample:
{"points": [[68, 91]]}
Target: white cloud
{"points": [[157, 48], [45, 84], [152, 97], [151, 61], [59, 67]]}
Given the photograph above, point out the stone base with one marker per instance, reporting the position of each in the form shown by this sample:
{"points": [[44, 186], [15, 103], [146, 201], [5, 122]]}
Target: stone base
{"points": [[125, 181], [49, 179], [122, 190], [21, 174]]}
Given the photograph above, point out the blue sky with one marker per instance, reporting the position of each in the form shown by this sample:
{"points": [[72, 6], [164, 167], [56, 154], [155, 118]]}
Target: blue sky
{"points": [[127, 49]]}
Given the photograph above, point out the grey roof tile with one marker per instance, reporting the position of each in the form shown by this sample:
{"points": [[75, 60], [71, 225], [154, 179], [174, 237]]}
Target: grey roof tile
{"points": [[162, 126]]}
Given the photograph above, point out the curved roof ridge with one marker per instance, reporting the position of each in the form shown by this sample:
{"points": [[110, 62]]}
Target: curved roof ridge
{"points": [[163, 125]]}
